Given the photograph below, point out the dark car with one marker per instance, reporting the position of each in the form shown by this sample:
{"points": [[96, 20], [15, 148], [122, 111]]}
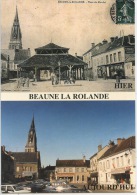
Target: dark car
{"points": [[37, 188]]}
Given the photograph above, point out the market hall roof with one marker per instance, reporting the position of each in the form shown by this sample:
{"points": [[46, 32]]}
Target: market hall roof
{"points": [[51, 60], [51, 48]]}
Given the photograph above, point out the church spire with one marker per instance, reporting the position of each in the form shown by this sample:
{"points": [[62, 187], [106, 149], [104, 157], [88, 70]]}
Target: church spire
{"points": [[16, 36], [31, 145], [32, 127]]}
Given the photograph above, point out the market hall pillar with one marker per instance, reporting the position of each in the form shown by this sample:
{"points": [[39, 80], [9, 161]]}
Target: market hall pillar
{"points": [[37, 74]]}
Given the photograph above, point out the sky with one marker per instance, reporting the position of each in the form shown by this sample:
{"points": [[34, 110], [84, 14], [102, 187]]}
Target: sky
{"points": [[74, 26], [66, 130]]}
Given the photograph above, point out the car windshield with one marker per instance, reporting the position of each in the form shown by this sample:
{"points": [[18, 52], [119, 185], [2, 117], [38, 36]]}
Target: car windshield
{"points": [[18, 188]]}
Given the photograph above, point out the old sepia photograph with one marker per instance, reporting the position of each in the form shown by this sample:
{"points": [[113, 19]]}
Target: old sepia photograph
{"points": [[67, 46], [68, 147]]}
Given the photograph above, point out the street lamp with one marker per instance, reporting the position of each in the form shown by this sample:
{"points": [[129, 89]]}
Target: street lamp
{"points": [[59, 63]]}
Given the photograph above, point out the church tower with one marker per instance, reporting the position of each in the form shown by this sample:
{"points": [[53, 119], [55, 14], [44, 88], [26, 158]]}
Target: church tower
{"points": [[16, 36], [31, 145]]}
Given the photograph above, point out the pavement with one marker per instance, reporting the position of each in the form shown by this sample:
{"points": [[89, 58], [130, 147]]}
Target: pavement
{"points": [[100, 85]]}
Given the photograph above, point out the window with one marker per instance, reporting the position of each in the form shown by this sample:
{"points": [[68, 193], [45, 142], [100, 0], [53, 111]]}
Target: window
{"points": [[82, 169], [82, 177], [111, 60], [107, 61], [17, 169], [108, 164], [122, 162], [119, 56], [113, 163], [65, 170], [104, 166], [117, 161], [70, 170], [77, 169], [3, 188], [9, 188], [77, 177], [114, 55]]}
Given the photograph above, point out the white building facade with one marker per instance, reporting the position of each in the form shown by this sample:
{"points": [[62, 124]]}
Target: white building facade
{"points": [[119, 165]]}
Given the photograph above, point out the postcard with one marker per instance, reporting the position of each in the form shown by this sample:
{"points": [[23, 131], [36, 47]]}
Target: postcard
{"points": [[68, 96], [68, 46]]}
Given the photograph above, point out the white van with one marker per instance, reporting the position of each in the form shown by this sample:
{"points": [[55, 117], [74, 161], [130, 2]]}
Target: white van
{"points": [[13, 189]]}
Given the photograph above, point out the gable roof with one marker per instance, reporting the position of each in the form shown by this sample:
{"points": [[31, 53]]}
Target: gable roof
{"points": [[18, 55], [122, 41], [100, 49], [126, 41], [21, 55], [125, 144], [23, 157], [72, 163], [10, 52]]}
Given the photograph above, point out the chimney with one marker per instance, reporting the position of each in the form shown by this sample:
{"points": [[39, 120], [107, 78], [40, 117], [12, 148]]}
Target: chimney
{"points": [[119, 140], [112, 39], [84, 159], [75, 54], [111, 144], [92, 45], [104, 41], [99, 148]]}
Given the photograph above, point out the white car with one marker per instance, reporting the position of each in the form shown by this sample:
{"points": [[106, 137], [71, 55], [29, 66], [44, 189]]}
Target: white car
{"points": [[13, 189]]}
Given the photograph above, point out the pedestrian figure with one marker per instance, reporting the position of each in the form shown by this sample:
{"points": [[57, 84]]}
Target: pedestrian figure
{"points": [[84, 187], [18, 83], [23, 81], [52, 77], [27, 82]]}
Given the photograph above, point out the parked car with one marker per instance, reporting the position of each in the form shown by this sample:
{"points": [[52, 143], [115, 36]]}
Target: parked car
{"points": [[13, 189], [37, 187]]}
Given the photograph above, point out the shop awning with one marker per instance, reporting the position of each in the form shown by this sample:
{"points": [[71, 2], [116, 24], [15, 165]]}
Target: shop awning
{"points": [[118, 171], [94, 174]]}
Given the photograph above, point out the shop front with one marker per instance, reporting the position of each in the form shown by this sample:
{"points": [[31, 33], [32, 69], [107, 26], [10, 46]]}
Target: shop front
{"points": [[121, 176], [111, 71], [94, 177]]}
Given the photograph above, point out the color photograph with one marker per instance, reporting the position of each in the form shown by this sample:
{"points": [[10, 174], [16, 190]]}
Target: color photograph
{"points": [[75, 147]]}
